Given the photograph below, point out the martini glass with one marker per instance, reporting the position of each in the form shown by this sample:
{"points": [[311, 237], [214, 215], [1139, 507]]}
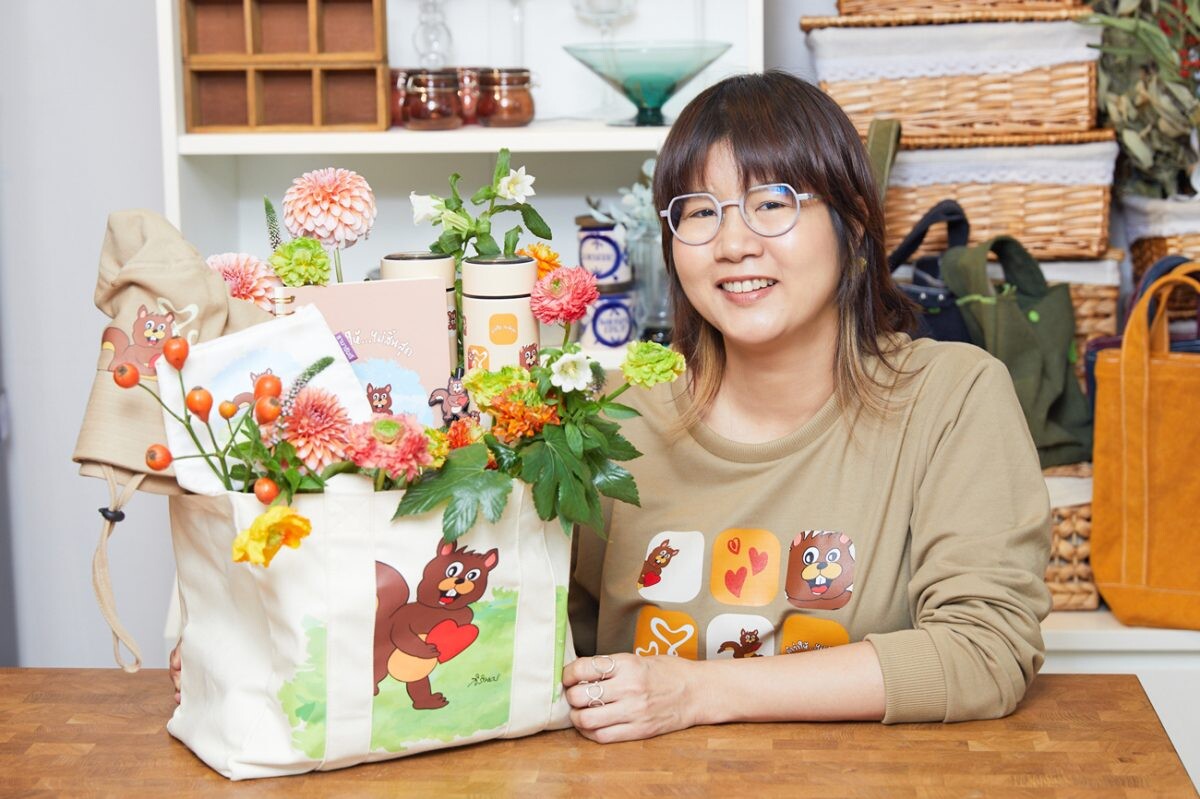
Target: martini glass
{"points": [[647, 73]]}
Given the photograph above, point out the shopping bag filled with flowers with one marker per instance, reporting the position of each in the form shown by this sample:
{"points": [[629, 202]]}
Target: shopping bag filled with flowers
{"points": [[357, 586]]}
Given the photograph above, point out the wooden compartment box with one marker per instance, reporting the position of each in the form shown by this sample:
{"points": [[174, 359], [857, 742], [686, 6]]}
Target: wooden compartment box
{"points": [[215, 31], [287, 98]]}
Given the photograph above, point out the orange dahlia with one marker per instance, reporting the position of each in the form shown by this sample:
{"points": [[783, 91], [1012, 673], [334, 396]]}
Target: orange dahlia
{"points": [[521, 416], [333, 205], [318, 427], [246, 277], [547, 259]]}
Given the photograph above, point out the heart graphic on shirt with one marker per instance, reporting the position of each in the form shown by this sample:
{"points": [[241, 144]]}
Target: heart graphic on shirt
{"points": [[735, 545], [758, 561], [650, 578], [673, 637], [451, 638], [734, 580]]}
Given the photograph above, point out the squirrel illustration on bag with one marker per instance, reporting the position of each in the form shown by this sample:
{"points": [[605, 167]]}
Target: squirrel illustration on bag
{"points": [[144, 343], [412, 638]]}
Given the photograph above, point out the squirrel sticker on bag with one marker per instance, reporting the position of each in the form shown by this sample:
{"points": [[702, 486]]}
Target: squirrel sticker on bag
{"points": [[143, 344], [413, 637]]}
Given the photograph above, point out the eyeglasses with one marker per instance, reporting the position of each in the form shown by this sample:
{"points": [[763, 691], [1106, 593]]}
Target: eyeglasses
{"points": [[769, 210]]}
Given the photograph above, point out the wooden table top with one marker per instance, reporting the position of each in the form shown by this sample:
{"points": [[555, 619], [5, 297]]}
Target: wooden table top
{"points": [[66, 732]]}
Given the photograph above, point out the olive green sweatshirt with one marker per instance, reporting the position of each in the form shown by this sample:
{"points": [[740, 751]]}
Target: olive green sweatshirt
{"points": [[924, 531]]}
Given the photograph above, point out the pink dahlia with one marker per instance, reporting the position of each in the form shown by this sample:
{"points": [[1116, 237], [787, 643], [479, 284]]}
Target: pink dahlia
{"points": [[333, 205], [396, 444], [246, 277], [317, 426], [563, 296]]}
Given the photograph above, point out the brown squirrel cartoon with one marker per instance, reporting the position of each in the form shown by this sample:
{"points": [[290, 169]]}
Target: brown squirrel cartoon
{"points": [[453, 399], [411, 638], [380, 398], [656, 561], [144, 345], [746, 647], [529, 356], [247, 397]]}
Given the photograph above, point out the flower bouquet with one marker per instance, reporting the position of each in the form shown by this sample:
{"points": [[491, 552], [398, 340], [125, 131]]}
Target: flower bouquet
{"points": [[425, 605]]}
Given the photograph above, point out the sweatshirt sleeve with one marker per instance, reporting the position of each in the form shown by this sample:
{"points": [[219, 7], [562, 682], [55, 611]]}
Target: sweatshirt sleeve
{"points": [[587, 567], [980, 540]]}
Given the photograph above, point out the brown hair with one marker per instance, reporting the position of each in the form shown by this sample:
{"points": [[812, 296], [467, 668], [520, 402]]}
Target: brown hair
{"points": [[781, 129]]}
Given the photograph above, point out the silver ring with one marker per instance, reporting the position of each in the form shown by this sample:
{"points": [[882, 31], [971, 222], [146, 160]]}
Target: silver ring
{"points": [[604, 673], [596, 699]]}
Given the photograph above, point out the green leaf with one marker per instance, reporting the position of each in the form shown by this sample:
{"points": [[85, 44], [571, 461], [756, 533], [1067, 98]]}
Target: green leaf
{"points": [[310, 484], [466, 485], [616, 482], [483, 195], [486, 246], [341, 467], [506, 457], [619, 448], [503, 161], [533, 220], [615, 410], [454, 202], [574, 439], [537, 469], [1136, 148], [449, 242], [511, 239]]}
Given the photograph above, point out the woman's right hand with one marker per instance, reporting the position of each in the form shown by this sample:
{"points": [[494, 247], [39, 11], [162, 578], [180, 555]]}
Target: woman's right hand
{"points": [[176, 667]]}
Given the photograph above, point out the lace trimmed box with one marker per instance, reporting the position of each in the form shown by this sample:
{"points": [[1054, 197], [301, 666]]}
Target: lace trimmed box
{"points": [[949, 74], [1054, 198]]}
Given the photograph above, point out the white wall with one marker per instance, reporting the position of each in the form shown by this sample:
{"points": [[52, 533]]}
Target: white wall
{"points": [[79, 137]]}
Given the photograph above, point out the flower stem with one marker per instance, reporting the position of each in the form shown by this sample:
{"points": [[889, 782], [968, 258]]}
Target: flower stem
{"points": [[337, 262], [615, 394], [566, 334], [379, 476], [186, 423], [220, 457]]}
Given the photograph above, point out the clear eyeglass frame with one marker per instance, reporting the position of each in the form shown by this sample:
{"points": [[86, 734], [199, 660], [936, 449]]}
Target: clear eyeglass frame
{"points": [[720, 205]]}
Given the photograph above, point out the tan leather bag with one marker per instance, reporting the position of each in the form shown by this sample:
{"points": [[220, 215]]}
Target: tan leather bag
{"points": [[1145, 542]]}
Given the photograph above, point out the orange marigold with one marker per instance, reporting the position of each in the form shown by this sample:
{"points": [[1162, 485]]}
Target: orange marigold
{"points": [[547, 259], [515, 418]]}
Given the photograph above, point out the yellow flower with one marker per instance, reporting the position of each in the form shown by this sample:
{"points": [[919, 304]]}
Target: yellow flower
{"points": [[277, 526], [648, 363], [547, 259], [439, 446]]}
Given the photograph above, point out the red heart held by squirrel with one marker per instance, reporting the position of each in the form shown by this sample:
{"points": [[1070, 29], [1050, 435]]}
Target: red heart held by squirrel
{"points": [[650, 579], [735, 545], [758, 561], [734, 580], [450, 638]]}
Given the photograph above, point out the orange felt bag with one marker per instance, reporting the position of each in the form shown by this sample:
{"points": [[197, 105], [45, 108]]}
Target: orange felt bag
{"points": [[1145, 546]]}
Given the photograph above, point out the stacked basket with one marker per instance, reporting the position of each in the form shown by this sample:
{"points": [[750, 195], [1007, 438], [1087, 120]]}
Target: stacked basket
{"points": [[997, 104]]}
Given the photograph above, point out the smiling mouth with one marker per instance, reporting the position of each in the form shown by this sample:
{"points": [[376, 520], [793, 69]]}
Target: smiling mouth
{"points": [[819, 585], [448, 596], [746, 286]]}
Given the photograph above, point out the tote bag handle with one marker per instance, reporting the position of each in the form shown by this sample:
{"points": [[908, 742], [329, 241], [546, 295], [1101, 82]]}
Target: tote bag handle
{"points": [[1143, 338]]}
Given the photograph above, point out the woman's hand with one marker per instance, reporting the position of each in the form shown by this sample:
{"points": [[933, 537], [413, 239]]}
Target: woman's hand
{"points": [[626, 697], [176, 668]]}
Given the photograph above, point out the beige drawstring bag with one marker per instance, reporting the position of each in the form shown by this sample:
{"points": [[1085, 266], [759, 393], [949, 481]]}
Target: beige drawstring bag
{"points": [[152, 284]]}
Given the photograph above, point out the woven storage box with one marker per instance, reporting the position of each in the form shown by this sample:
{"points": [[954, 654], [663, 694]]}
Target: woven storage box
{"points": [[1053, 198], [1037, 75], [928, 7], [1069, 571], [1163, 227]]}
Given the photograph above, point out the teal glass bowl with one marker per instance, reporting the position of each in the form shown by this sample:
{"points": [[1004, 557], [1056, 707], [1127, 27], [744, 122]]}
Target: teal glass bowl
{"points": [[647, 73]]}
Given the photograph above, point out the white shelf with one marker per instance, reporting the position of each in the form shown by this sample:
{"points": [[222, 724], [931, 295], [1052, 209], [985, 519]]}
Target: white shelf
{"points": [[554, 136], [1093, 642]]}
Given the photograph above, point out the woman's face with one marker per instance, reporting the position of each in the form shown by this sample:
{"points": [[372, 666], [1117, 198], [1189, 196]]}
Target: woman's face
{"points": [[761, 293]]}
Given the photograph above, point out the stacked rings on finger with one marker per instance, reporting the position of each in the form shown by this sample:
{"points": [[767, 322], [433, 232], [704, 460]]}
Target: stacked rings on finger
{"points": [[611, 666], [595, 699]]}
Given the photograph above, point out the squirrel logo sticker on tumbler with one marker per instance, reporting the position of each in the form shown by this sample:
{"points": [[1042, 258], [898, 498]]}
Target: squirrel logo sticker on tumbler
{"points": [[820, 571]]}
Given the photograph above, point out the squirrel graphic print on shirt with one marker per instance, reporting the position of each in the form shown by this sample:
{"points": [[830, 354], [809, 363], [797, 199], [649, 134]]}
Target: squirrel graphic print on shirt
{"points": [[656, 561], [820, 572], [746, 646], [413, 637]]}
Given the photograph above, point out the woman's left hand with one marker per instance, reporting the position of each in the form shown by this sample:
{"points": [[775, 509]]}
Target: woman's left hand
{"points": [[626, 697]]}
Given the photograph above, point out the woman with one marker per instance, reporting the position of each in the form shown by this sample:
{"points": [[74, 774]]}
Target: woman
{"points": [[822, 484]]}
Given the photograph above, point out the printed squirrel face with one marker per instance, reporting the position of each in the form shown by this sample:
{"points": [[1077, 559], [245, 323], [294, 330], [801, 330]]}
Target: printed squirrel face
{"points": [[820, 569], [749, 637], [663, 554], [380, 398], [455, 577], [152, 327], [529, 356]]}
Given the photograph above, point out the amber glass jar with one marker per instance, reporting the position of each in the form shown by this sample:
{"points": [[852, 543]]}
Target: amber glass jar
{"points": [[504, 99], [432, 100], [468, 92], [399, 93]]}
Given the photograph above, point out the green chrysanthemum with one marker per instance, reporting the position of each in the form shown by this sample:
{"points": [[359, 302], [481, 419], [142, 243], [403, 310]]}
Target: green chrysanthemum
{"points": [[647, 364], [484, 386], [301, 262]]}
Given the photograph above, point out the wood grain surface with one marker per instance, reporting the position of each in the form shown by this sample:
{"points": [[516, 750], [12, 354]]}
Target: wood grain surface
{"points": [[91, 732]]}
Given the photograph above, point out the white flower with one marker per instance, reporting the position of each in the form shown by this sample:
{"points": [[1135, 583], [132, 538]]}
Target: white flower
{"points": [[517, 186], [426, 207], [571, 372], [648, 167]]}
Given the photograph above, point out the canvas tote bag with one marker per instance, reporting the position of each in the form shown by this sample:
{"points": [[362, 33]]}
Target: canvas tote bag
{"points": [[1144, 542], [281, 664]]}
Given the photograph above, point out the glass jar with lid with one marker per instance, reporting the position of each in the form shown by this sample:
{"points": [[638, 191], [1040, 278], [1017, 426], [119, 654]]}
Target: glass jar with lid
{"points": [[505, 99], [431, 101]]}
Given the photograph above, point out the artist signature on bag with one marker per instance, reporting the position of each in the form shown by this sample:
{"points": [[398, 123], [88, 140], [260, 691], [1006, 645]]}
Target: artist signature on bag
{"points": [[480, 679]]}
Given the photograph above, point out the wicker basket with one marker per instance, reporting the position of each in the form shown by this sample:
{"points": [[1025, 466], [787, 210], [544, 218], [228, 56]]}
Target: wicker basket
{"points": [[1069, 570], [985, 91], [929, 7], [1163, 227], [1095, 316], [1145, 252], [1054, 220]]}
